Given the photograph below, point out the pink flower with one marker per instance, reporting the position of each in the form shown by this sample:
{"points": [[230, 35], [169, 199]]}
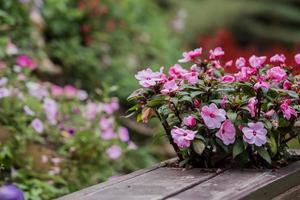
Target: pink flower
{"points": [[82, 95], [37, 125], [252, 106], [114, 152], [28, 111], [25, 62], [4, 92], [196, 103], [261, 84], [240, 62], [270, 113], [70, 91], [277, 74], [169, 87], [105, 123], [257, 62], [191, 55], [147, 78], [226, 132], [229, 63], [192, 77], [108, 134], [123, 134], [91, 111], [57, 90], [245, 73], [177, 71], [227, 79], [183, 137], [297, 58], [278, 58], [223, 101], [51, 110], [287, 85], [111, 107], [190, 121], [287, 110], [216, 53], [255, 133], [212, 116]]}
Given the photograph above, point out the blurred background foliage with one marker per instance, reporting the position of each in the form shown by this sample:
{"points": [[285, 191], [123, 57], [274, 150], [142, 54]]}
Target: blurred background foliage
{"points": [[97, 44]]}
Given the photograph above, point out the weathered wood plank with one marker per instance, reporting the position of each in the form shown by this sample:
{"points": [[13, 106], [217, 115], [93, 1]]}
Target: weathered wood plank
{"points": [[244, 184], [291, 194], [155, 184], [89, 190]]}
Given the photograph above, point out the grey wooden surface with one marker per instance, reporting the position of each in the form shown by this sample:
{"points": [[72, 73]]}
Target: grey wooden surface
{"points": [[161, 182]]}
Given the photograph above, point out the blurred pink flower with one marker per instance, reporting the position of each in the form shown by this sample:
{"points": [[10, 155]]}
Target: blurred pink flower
{"points": [[287, 110], [91, 110], [191, 55], [183, 137], [124, 134], [114, 152], [227, 79], [261, 84], [37, 125], [108, 134], [297, 58], [277, 74], [257, 62], [190, 121], [28, 111], [51, 110], [255, 133], [57, 90], [70, 91], [105, 123], [169, 87], [269, 113], [4, 92], [177, 72], [278, 58], [287, 85], [216, 53], [227, 132], [252, 106], [192, 77], [82, 95], [240, 62], [147, 78], [212, 116], [112, 106], [25, 62], [3, 81]]}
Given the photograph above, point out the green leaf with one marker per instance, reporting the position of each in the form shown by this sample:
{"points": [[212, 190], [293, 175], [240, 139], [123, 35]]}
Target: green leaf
{"points": [[231, 115], [198, 146], [136, 94], [156, 101], [264, 154], [184, 162], [196, 93], [238, 148], [272, 145]]}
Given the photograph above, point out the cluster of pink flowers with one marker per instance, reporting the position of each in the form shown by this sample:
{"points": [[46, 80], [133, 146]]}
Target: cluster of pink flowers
{"points": [[210, 104]]}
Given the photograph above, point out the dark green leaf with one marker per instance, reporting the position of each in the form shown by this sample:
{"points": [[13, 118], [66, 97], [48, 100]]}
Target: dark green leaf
{"points": [[198, 146], [264, 154], [238, 148], [231, 115]]}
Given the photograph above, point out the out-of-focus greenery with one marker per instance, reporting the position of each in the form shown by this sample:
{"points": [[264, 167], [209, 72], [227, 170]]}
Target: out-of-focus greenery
{"points": [[57, 140], [107, 41]]}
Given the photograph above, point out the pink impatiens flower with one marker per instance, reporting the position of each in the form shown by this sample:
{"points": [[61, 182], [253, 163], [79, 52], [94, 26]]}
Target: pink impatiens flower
{"points": [[191, 55], [261, 84], [256, 61], [190, 121], [114, 152], [177, 72], [183, 137], [216, 53], [287, 85], [147, 78], [240, 62], [277, 74], [255, 133], [227, 79], [70, 91], [287, 110], [25, 62], [297, 58], [57, 90], [124, 134], [170, 86], [227, 132], [252, 106], [223, 101], [37, 125], [212, 116], [278, 58], [192, 77]]}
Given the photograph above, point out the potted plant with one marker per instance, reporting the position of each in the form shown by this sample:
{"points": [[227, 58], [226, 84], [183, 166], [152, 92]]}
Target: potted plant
{"points": [[212, 117]]}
